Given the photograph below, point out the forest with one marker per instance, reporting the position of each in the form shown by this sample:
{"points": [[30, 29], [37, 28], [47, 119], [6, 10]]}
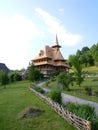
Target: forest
{"points": [[87, 56]]}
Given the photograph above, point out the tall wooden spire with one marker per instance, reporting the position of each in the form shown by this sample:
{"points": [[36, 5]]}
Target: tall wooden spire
{"points": [[56, 43]]}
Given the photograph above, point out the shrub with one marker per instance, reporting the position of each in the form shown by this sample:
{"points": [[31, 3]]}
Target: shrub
{"points": [[65, 79], [55, 95], [95, 124], [47, 84], [88, 91], [84, 111], [96, 64], [96, 93], [53, 79], [4, 80], [38, 89], [34, 74], [15, 76], [72, 107]]}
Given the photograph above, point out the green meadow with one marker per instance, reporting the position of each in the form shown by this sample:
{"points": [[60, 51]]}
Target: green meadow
{"points": [[80, 92], [15, 99]]}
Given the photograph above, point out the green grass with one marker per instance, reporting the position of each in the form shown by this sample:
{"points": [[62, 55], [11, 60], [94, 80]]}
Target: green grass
{"points": [[80, 91], [15, 98], [93, 69]]}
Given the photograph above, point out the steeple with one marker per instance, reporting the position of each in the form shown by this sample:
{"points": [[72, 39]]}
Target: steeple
{"points": [[56, 43], [56, 40]]}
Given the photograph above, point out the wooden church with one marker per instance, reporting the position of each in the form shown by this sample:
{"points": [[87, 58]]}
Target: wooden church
{"points": [[50, 59]]}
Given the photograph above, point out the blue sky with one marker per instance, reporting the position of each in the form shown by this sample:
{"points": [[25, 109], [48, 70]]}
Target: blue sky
{"points": [[26, 26]]}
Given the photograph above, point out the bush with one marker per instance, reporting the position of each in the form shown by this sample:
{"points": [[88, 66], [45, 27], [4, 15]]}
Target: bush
{"points": [[95, 124], [55, 95], [47, 84], [34, 74], [38, 89], [96, 93], [4, 80], [65, 79], [53, 79], [15, 76], [96, 64], [84, 111], [88, 91]]}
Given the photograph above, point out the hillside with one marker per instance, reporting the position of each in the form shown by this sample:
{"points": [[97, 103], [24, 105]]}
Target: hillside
{"points": [[16, 99]]}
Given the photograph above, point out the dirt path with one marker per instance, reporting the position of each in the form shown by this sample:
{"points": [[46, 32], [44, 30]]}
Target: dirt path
{"points": [[68, 98]]}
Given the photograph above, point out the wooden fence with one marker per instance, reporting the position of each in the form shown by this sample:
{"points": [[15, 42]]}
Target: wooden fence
{"points": [[78, 122]]}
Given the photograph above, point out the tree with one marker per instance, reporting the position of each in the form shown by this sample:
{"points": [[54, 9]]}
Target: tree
{"points": [[89, 59], [78, 70], [83, 59], [15, 76], [65, 79], [78, 53], [87, 56], [11, 77], [34, 74], [94, 52], [70, 60], [4, 78], [84, 50]]}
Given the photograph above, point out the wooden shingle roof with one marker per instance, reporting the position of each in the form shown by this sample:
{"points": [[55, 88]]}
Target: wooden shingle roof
{"points": [[3, 67], [53, 53]]}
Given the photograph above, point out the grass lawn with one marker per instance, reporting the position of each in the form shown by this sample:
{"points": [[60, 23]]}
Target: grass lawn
{"points": [[80, 91], [15, 98], [92, 69]]}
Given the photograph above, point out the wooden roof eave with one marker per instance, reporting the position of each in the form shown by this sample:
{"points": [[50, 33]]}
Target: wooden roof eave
{"points": [[59, 60], [56, 46], [39, 58], [44, 64]]}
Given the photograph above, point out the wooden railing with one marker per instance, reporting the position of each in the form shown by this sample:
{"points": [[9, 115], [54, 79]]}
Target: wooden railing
{"points": [[78, 122]]}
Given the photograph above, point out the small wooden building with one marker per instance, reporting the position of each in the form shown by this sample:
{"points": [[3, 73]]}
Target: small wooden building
{"points": [[3, 67], [50, 59]]}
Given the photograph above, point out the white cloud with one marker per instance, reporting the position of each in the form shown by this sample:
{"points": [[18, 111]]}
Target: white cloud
{"points": [[16, 34], [55, 27]]}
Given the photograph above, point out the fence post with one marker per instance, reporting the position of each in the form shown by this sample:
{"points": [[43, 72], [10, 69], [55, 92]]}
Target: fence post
{"points": [[88, 125]]}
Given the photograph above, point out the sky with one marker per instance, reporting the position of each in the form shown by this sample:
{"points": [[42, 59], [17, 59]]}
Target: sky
{"points": [[26, 26]]}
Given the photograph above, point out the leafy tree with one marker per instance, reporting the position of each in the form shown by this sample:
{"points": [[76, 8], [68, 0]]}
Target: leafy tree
{"points": [[84, 50], [87, 56], [65, 79], [70, 59], [78, 53], [15, 76], [78, 70], [11, 77], [34, 74], [83, 59], [89, 59], [94, 52], [54, 74], [4, 78]]}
